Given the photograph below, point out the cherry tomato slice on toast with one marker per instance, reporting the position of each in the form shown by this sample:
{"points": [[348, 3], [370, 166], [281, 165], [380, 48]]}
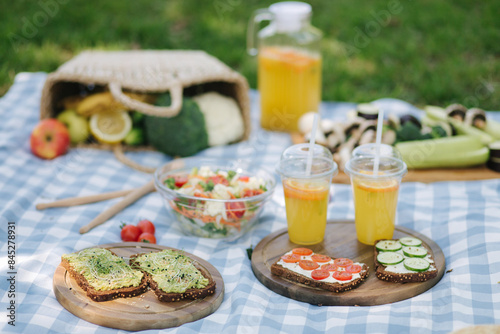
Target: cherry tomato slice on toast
{"points": [[320, 274], [320, 258], [342, 275], [353, 268], [302, 251], [342, 262], [291, 258], [329, 267], [308, 265]]}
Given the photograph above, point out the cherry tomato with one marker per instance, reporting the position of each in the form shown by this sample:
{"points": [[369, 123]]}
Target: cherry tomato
{"points": [[353, 268], [291, 258], [180, 180], [251, 192], [320, 258], [146, 226], [218, 179], [147, 237], [342, 262], [302, 251], [342, 275], [244, 178], [320, 274], [130, 233], [235, 209], [308, 265], [329, 267]]}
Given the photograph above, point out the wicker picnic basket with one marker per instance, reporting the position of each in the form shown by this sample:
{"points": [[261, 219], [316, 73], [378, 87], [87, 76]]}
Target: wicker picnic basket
{"points": [[180, 72]]}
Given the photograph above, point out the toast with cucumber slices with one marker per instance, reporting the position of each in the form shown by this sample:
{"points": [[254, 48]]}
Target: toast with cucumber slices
{"points": [[404, 260]]}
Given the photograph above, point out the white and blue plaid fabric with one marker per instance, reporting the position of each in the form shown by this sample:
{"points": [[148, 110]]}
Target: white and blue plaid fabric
{"points": [[463, 218]]}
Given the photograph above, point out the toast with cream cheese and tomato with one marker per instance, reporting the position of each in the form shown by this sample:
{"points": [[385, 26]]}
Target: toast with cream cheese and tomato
{"points": [[303, 266], [404, 260]]}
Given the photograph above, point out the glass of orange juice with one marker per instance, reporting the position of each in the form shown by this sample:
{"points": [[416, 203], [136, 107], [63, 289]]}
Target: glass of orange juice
{"points": [[306, 195], [375, 195]]}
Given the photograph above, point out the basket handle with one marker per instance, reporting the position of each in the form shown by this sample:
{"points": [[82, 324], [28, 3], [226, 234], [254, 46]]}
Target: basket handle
{"points": [[175, 92]]}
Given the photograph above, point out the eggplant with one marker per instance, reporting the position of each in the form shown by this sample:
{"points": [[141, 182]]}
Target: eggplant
{"points": [[367, 111], [476, 117], [410, 118], [456, 111]]}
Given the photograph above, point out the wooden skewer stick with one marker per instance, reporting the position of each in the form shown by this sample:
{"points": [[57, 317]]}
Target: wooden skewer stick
{"points": [[73, 201], [127, 200]]}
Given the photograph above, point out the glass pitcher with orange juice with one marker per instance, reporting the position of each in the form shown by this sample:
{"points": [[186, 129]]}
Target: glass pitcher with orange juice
{"points": [[289, 63]]}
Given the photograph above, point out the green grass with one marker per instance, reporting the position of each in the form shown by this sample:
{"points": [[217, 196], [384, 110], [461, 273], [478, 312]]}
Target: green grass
{"points": [[424, 52]]}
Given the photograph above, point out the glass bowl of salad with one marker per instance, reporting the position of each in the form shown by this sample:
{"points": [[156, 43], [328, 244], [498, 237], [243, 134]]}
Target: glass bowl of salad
{"points": [[214, 198]]}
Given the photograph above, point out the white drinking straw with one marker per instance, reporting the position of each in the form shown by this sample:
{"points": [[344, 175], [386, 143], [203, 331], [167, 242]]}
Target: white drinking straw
{"points": [[312, 140], [380, 122]]}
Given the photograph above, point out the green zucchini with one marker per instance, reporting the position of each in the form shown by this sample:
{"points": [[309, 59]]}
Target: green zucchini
{"points": [[456, 151], [438, 113]]}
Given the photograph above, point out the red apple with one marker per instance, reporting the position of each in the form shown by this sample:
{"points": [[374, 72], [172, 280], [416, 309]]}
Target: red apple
{"points": [[49, 139]]}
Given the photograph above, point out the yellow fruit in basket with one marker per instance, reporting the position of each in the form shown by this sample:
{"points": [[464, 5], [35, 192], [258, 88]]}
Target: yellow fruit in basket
{"points": [[110, 127], [98, 103]]}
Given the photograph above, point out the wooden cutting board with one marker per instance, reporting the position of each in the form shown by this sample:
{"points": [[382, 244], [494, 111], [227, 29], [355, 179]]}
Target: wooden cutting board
{"points": [[340, 241], [427, 175], [141, 312]]}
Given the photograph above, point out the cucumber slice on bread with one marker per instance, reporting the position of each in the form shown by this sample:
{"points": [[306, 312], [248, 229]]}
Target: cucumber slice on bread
{"points": [[416, 264], [389, 258], [388, 246], [414, 251], [410, 241]]}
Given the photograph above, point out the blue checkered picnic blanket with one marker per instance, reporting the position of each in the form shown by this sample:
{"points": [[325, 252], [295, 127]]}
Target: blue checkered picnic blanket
{"points": [[463, 218]]}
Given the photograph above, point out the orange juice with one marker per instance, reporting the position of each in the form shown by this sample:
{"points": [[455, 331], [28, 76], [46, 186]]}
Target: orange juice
{"points": [[306, 205], [375, 205], [289, 83]]}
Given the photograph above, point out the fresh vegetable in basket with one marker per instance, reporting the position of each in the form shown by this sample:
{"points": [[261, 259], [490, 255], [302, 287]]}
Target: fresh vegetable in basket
{"points": [[206, 120]]}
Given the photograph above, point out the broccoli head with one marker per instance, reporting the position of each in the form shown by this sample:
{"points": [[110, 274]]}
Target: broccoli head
{"points": [[182, 135]]}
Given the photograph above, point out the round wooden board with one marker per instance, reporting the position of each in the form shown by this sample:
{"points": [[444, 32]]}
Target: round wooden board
{"points": [[340, 241], [141, 312]]}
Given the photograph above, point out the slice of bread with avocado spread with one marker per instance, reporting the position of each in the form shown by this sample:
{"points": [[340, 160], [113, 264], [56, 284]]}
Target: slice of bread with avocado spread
{"points": [[174, 276], [104, 275]]}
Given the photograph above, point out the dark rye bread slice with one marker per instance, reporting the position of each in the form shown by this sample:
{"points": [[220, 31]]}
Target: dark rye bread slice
{"points": [[288, 274], [173, 296], [105, 295], [414, 277]]}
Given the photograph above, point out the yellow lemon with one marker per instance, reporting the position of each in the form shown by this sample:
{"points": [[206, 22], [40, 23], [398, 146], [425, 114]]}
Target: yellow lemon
{"points": [[110, 127]]}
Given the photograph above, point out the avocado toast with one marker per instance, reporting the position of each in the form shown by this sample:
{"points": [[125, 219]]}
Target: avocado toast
{"points": [[103, 275], [173, 276]]}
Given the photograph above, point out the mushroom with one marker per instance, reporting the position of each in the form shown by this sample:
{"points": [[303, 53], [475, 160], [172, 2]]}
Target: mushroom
{"points": [[389, 137], [393, 121], [334, 133], [320, 138], [368, 137], [367, 111], [476, 117], [456, 111], [352, 125], [305, 123]]}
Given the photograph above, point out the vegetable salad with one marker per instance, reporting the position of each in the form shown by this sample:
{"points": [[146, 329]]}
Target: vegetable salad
{"points": [[216, 213]]}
